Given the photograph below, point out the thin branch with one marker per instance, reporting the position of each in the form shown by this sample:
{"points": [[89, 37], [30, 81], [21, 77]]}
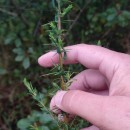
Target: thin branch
{"points": [[8, 12], [110, 29], [38, 25], [60, 55], [77, 18], [19, 13]]}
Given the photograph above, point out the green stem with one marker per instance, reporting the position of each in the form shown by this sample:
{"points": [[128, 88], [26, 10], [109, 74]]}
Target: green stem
{"points": [[60, 55]]}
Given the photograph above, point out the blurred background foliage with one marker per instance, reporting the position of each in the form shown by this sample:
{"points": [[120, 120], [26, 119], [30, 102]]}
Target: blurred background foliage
{"points": [[23, 39]]}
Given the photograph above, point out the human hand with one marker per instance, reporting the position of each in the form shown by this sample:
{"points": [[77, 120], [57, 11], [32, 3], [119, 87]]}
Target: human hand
{"points": [[101, 94]]}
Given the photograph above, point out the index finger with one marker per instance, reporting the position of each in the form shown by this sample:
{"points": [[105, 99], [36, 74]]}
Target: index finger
{"points": [[91, 56]]}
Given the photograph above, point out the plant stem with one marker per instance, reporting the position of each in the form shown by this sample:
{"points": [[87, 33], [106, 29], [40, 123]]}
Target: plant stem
{"points": [[60, 55], [35, 126]]}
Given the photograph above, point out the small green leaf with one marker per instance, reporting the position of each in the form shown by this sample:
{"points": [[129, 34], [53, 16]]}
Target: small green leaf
{"points": [[126, 14], [10, 37], [18, 42], [45, 118], [99, 43], [3, 71], [39, 97], [32, 91], [23, 124], [26, 63], [18, 51], [30, 50], [43, 128], [19, 58], [66, 10], [55, 85], [111, 17], [53, 3]]}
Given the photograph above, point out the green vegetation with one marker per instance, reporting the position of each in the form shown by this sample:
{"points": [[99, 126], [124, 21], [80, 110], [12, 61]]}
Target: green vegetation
{"points": [[24, 37]]}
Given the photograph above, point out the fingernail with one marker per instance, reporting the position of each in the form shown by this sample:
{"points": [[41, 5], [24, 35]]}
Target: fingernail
{"points": [[58, 98], [56, 110]]}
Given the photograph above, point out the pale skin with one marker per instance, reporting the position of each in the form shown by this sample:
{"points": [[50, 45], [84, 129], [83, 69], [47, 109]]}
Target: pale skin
{"points": [[101, 93]]}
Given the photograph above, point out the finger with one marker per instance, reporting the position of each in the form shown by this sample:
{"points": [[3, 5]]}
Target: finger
{"points": [[103, 93], [99, 110], [89, 79], [56, 110], [91, 56], [90, 104], [91, 128]]}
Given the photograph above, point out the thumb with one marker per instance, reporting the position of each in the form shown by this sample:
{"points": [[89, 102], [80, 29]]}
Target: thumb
{"points": [[91, 128], [83, 104]]}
